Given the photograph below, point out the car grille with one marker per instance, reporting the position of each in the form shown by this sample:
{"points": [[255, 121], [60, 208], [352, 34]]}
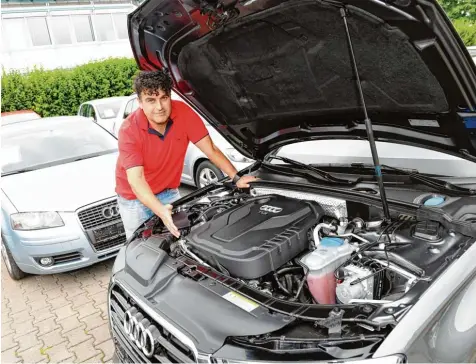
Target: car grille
{"points": [[169, 349], [117, 241], [92, 217], [67, 258]]}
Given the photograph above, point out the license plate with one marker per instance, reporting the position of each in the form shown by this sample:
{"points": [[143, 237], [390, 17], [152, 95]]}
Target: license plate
{"points": [[108, 232]]}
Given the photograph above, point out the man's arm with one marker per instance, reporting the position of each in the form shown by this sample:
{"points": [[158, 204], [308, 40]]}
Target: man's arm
{"points": [[141, 189], [216, 156]]}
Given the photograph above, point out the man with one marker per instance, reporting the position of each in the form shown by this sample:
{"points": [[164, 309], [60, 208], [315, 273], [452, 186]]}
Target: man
{"points": [[153, 141]]}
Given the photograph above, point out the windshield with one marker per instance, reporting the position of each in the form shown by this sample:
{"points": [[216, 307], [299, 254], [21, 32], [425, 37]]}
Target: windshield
{"points": [[109, 110], [17, 117], [30, 144], [336, 152]]}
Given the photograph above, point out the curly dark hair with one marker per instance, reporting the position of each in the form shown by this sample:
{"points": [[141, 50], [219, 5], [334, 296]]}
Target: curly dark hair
{"points": [[150, 82]]}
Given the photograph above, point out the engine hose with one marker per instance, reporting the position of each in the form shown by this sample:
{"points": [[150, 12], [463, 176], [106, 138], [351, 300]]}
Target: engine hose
{"points": [[397, 259], [280, 285], [288, 270]]}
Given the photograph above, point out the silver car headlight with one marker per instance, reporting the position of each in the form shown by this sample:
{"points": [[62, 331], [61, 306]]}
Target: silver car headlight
{"points": [[236, 156], [392, 359], [36, 220]]}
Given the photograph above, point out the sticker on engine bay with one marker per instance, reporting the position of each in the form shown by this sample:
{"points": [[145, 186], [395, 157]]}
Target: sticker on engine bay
{"points": [[240, 301]]}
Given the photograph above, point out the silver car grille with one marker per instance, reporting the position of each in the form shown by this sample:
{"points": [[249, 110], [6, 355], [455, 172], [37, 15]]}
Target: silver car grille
{"points": [[105, 213]]}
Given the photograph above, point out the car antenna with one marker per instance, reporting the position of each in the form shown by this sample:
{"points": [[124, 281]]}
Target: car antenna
{"points": [[368, 122]]}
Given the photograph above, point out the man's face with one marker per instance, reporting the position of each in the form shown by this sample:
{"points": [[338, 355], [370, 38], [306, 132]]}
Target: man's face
{"points": [[157, 107]]}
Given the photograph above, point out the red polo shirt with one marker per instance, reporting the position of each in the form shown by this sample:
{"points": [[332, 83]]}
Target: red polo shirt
{"points": [[162, 156]]}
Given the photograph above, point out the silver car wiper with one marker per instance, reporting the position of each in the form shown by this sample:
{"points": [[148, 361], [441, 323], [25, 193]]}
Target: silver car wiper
{"points": [[437, 184], [316, 173]]}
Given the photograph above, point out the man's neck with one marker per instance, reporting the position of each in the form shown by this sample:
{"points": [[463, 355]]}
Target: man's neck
{"points": [[158, 127]]}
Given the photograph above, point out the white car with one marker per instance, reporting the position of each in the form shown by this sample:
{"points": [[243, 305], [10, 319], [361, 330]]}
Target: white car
{"points": [[106, 112]]}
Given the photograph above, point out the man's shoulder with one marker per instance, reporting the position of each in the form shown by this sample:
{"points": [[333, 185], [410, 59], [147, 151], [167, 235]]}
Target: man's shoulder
{"points": [[130, 125]]}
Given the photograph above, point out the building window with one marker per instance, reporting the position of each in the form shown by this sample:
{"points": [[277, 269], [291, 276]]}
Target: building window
{"points": [[39, 31], [60, 29], [120, 21], [82, 28], [15, 34], [104, 28]]}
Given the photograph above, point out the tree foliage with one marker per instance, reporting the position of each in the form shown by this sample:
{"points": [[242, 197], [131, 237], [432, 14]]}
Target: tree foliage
{"points": [[463, 15], [61, 91]]}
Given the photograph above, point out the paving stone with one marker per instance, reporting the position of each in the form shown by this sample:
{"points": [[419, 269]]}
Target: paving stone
{"points": [[107, 347], [93, 321], [28, 341], [6, 315], [100, 334], [24, 328], [7, 328], [53, 338], [42, 315], [59, 302], [86, 310], [32, 355], [22, 316], [8, 356], [70, 323], [30, 284], [103, 308], [39, 304], [96, 359], [60, 353], [47, 326], [64, 312], [73, 292], [35, 296], [54, 293], [76, 337], [8, 342], [19, 306], [80, 300], [85, 351]]}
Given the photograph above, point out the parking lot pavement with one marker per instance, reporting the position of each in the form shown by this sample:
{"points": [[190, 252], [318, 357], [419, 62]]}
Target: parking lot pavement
{"points": [[57, 318]]}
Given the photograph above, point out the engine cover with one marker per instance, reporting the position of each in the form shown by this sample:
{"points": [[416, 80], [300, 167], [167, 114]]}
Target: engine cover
{"points": [[258, 236]]}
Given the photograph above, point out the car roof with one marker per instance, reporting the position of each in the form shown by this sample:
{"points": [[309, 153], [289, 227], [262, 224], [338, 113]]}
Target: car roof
{"points": [[107, 100], [45, 121]]}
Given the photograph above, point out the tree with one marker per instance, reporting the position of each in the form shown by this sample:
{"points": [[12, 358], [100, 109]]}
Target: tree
{"points": [[463, 15]]}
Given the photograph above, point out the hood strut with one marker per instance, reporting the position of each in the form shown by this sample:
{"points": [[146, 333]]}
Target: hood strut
{"points": [[368, 122]]}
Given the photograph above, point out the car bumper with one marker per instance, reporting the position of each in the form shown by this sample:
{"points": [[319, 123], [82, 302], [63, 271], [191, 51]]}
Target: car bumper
{"points": [[69, 245]]}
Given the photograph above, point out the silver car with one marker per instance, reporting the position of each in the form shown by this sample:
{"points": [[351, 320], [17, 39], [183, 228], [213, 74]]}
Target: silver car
{"points": [[197, 171], [59, 208]]}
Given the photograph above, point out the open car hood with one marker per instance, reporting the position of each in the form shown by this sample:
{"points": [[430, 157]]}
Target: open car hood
{"points": [[271, 72]]}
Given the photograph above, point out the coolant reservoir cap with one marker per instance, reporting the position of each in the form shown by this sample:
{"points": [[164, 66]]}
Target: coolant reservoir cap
{"points": [[434, 201], [331, 242]]}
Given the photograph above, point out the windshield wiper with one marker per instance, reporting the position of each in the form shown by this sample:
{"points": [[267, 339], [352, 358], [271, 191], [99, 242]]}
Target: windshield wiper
{"points": [[323, 175], [438, 184]]}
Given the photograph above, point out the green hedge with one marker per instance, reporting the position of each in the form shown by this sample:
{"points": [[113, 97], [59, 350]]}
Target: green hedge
{"points": [[61, 91]]}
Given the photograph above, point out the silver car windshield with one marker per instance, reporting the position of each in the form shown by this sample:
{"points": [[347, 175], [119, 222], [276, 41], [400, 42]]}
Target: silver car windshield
{"points": [[109, 110], [34, 144]]}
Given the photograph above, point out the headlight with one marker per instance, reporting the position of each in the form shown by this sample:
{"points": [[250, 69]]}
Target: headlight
{"points": [[236, 156], [392, 359], [36, 220]]}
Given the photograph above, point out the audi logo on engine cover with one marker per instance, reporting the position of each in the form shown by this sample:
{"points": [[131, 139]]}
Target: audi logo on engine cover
{"points": [[141, 332], [110, 211], [273, 209]]}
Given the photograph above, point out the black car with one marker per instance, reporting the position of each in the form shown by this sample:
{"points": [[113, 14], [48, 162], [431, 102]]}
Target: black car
{"points": [[315, 262]]}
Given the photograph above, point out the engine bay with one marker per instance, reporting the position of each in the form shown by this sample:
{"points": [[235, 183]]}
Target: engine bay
{"points": [[306, 248]]}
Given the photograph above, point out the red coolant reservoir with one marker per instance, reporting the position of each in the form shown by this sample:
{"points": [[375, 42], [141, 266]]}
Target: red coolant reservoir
{"points": [[321, 263]]}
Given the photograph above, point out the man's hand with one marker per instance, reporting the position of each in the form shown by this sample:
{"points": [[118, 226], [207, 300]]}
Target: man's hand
{"points": [[244, 181], [165, 215]]}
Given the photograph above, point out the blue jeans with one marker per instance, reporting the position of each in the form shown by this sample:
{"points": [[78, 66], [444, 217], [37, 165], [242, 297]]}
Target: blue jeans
{"points": [[134, 213]]}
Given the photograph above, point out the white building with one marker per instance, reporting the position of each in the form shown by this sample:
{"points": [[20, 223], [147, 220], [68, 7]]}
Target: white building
{"points": [[62, 34]]}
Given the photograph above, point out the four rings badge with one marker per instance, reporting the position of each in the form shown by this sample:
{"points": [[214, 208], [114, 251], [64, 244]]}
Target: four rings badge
{"points": [[110, 211], [141, 332], [273, 209]]}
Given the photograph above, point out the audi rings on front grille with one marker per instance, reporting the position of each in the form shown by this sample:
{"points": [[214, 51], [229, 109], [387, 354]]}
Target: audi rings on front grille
{"points": [[110, 212], [140, 331]]}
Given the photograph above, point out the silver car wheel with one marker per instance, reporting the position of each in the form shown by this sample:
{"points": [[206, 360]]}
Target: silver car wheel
{"points": [[206, 177], [6, 258]]}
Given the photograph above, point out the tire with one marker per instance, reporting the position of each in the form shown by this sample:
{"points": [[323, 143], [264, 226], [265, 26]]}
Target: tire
{"points": [[12, 267], [207, 173]]}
